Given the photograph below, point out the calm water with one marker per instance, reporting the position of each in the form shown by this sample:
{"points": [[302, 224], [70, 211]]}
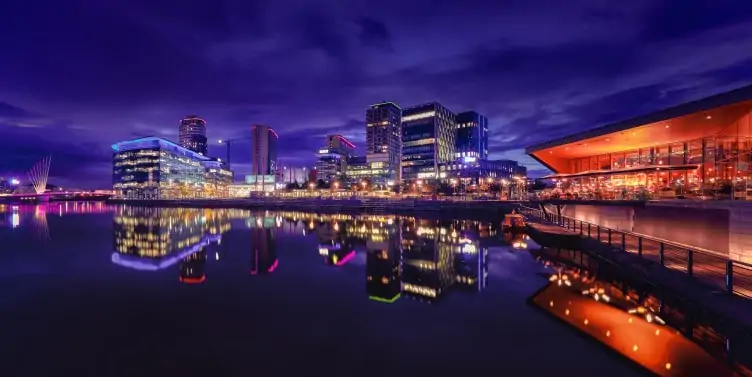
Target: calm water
{"points": [[92, 290]]}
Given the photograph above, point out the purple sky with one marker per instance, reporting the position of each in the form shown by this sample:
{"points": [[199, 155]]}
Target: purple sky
{"points": [[78, 75]]}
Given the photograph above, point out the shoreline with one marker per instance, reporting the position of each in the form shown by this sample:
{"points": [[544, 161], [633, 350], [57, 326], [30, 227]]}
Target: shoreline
{"points": [[398, 206]]}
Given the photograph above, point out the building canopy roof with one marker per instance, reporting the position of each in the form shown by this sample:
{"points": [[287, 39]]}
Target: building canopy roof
{"points": [[688, 121]]}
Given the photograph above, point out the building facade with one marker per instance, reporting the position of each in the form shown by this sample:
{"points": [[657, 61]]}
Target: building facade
{"points": [[699, 149], [384, 141], [192, 134], [331, 161], [472, 135], [263, 150], [155, 168], [428, 141], [474, 171]]}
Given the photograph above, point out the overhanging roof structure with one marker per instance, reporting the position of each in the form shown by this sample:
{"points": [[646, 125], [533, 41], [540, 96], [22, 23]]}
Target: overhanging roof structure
{"points": [[692, 120]]}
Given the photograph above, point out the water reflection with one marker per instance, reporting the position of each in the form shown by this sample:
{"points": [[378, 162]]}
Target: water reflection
{"points": [[418, 258], [632, 320]]}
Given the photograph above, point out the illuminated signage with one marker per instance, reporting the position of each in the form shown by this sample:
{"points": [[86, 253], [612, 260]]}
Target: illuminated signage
{"points": [[323, 151], [427, 114], [470, 159]]}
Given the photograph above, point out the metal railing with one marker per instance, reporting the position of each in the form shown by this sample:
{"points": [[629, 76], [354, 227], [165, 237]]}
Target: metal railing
{"points": [[712, 268]]}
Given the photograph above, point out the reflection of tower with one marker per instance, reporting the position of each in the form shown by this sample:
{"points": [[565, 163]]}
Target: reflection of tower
{"points": [[193, 268], [470, 264], [427, 264], [336, 249], [384, 265], [263, 251]]}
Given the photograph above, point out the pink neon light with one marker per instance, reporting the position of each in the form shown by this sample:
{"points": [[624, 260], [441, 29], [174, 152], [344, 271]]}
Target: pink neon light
{"points": [[342, 138], [346, 258], [274, 265], [273, 132], [198, 280]]}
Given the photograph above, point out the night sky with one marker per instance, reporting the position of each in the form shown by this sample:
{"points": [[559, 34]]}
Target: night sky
{"points": [[78, 75]]}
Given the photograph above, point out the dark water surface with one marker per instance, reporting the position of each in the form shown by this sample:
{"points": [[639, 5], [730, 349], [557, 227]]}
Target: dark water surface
{"points": [[91, 290]]}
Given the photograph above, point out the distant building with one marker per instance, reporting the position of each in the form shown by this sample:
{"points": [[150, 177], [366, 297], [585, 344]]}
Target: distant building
{"points": [[472, 136], [263, 150], [332, 158], [357, 169], [155, 168], [428, 141], [474, 170], [292, 174], [384, 141], [193, 134]]}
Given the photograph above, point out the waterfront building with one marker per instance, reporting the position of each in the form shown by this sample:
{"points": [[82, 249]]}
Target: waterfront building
{"points": [[292, 174], [263, 150], [332, 158], [472, 136], [156, 168], [428, 141], [359, 170], [699, 149], [473, 170], [192, 134], [384, 142]]}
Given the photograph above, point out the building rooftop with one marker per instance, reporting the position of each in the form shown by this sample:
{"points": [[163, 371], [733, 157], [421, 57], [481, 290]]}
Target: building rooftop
{"points": [[133, 144], [742, 94]]}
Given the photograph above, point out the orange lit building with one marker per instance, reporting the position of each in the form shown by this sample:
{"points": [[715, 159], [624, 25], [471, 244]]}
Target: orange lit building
{"points": [[698, 149]]}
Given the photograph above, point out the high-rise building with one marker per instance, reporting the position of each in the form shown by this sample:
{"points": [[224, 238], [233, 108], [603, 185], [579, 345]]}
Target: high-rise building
{"points": [[193, 134], [332, 158], [263, 150], [428, 141], [472, 136], [384, 141]]}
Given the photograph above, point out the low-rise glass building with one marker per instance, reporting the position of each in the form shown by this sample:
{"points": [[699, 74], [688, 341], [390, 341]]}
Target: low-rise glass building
{"points": [[698, 149], [156, 168]]}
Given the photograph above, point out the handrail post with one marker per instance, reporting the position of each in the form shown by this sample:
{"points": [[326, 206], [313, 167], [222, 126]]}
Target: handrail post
{"points": [[588, 230], [730, 276], [690, 261], [639, 246], [581, 227], [598, 228], [609, 237], [660, 253], [623, 241]]}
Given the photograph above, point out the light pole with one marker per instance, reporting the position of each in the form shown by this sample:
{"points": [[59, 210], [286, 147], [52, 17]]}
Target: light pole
{"points": [[227, 144]]}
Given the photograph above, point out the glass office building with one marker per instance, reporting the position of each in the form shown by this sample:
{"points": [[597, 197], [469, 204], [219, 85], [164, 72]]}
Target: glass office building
{"points": [[155, 168], [428, 141], [472, 136], [698, 149]]}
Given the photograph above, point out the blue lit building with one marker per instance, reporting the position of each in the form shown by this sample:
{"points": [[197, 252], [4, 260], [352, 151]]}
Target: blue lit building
{"points": [[428, 141], [156, 168], [472, 135]]}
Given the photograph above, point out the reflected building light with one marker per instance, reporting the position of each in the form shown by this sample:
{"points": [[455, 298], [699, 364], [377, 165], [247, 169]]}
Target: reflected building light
{"points": [[345, 259], [274, 265]]}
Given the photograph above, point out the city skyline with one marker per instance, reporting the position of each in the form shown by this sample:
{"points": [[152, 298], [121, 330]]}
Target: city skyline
{"points": [[316, 75]]}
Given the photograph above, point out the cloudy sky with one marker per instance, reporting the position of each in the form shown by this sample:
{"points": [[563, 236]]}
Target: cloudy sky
{"points": [[78, 75]]}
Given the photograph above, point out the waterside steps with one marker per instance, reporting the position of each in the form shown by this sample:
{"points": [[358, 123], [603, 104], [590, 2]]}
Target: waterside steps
{"points": [[706, 279]]}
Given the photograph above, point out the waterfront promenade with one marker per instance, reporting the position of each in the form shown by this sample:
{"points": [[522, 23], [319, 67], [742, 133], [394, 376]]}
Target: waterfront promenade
{"points": [[396, 206], [695, 276]]}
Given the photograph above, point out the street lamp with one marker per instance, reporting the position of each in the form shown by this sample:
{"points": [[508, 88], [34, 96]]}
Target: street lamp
{"points": [[227, 144], [15, 182]]}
